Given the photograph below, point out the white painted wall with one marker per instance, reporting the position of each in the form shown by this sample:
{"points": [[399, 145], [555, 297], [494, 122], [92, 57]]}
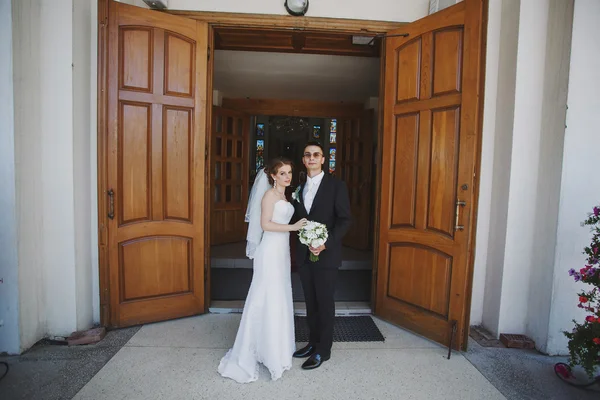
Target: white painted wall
{"points": [[498, 129], [484, 211], [52, 142], [383, 10], [93, 159], [580, 189], [27, 42], [82, 103], [9, 262], [559, 25], [56, 92], [527, 79]]}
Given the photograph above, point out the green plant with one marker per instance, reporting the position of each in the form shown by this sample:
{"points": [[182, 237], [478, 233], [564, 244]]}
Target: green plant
{"points": [[584, 339]]}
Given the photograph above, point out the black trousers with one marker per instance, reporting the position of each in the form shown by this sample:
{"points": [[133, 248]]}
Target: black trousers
{"points": [[318, 284]]}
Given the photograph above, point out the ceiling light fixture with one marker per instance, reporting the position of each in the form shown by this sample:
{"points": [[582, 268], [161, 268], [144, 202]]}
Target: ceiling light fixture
{"points": [[297, 8]]}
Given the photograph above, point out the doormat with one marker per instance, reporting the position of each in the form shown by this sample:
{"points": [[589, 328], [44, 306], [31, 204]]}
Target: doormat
{"points": [[345, 329]]}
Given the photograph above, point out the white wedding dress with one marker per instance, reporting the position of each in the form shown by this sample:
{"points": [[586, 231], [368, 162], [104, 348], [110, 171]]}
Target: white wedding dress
{"points": [[266, 332]]}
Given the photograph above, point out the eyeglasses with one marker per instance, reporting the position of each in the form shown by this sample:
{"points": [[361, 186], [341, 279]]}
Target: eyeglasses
{"points": [[315, 155]]}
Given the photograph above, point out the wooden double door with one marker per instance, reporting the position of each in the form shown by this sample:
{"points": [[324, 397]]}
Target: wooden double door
{"points": [[157, 178]]}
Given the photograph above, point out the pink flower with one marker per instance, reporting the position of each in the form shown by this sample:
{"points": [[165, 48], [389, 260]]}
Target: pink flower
{"points": [[596, 340], [590, 318], [562, 370], [583, 299], [596, 211]]}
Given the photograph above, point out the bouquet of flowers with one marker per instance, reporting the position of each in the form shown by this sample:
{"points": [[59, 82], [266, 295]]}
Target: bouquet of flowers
{"points": [[313, 234]]}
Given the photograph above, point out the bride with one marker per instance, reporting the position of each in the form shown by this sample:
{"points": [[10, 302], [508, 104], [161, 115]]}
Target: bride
{"points": [[266, 332]]}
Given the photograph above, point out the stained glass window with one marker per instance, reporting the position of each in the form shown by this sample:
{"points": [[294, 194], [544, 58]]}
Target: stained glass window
{"points": [[332, 160], [260, 147], [332, 143], [316, 131], [333, 131], [260, 130]]}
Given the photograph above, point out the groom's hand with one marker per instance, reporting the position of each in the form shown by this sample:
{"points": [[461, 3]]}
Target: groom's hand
{"points": [[317, 250]]}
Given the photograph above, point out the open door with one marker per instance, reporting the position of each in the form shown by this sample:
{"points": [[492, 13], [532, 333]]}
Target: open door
{"points": [[229, 175], [433, 83], [156, 130], [355, 162]]}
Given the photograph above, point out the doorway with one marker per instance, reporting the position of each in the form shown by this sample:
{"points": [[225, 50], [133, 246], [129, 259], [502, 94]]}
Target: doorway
{"points": [[151, 126], [320, 97]]}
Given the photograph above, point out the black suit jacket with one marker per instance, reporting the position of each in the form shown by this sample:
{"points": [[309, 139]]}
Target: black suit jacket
{"points": [[331, 207]]}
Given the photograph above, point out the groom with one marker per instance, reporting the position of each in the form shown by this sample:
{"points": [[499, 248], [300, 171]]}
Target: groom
{"points": [[322, 198]]}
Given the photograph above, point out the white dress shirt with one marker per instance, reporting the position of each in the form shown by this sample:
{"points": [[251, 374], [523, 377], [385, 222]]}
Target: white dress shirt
{"points": [[310, 189]]}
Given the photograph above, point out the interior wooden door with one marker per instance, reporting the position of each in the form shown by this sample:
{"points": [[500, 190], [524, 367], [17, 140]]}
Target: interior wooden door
{"points": [[229, 175], [157, 72], [430, 148], [355, 163]]}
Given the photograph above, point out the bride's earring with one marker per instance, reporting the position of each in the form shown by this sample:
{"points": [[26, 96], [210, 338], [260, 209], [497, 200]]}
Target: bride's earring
{"points": [[274, 184]]}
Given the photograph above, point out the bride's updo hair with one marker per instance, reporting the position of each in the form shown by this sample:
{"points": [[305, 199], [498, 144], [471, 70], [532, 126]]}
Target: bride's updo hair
{"points": [[273, 167]]}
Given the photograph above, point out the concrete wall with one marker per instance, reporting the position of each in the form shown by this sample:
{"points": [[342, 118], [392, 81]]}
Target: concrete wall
{"points": [[9, 262], [580, 189]]}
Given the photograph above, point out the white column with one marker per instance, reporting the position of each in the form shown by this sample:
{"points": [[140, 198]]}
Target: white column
{"points": [[84, 134], [56, 92], [52, 89], [580, 189], [528, 118], [9, 276], [484, 210], [495, 170], [27, 42]]}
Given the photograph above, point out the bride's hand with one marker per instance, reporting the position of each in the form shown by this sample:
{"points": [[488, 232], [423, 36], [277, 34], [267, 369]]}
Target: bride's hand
{"points": [[298, 225]]}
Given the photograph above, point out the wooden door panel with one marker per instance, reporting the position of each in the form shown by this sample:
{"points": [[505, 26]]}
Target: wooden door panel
{"points": [[134, 172], [404, 172], [443, 170], [156, 141], [355, 163], [448, 49], [143, 264], [230, 160], [177, 167], [429, 151]]}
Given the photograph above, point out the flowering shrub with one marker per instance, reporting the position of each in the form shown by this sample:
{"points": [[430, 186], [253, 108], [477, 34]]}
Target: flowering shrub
{"points": [[584, 339]]}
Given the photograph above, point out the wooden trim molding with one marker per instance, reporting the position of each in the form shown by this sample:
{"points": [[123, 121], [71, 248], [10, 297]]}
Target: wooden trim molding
{"points": [[314, 24], [292, 41], [101, 161], [294, 108]]}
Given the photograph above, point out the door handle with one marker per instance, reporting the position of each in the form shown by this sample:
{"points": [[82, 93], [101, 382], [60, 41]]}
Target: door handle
{"points": [[459, 204], [111, 204]]}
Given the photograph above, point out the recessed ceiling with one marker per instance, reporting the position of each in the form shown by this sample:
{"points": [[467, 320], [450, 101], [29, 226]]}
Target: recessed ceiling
{"points": [[260, 75]]}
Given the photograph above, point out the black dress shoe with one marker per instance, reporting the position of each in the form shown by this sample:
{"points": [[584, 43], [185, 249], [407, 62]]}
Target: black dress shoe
{"points": [[306, 351], [314, 361]]}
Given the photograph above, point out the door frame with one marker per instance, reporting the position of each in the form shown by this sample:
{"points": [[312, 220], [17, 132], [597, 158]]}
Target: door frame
{"points": [[270, 22]]}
